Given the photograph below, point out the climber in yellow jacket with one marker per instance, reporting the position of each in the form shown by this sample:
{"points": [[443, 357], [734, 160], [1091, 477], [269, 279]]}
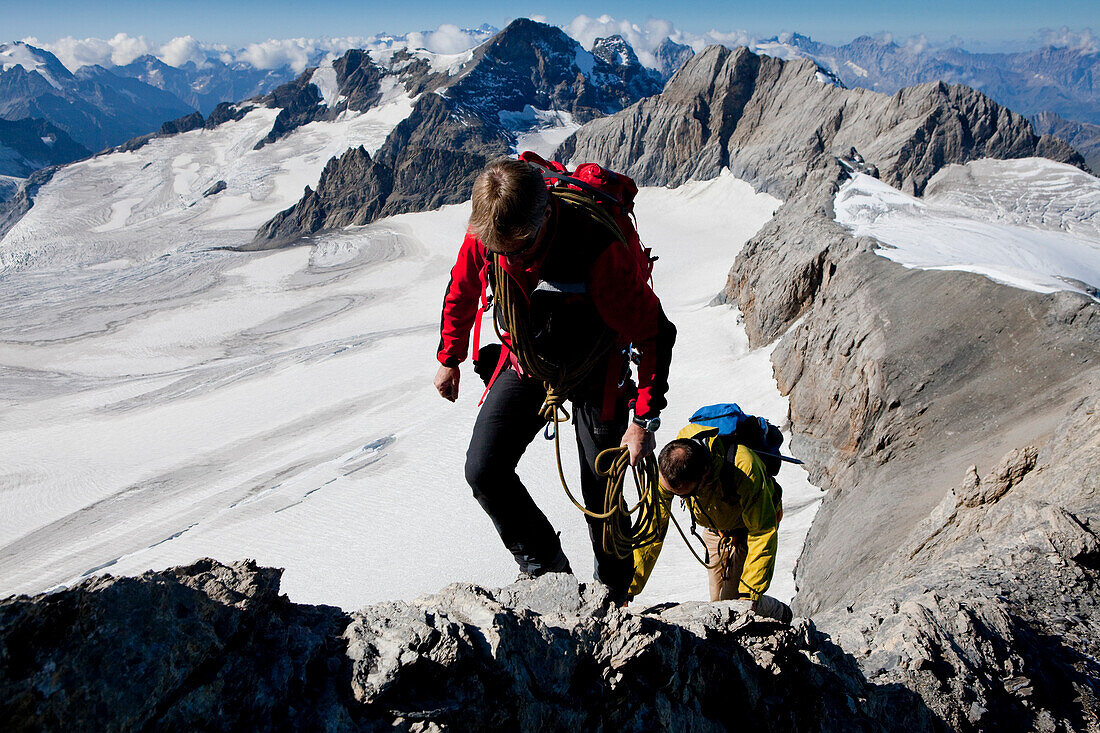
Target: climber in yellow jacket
{"points": [[730, 494]]}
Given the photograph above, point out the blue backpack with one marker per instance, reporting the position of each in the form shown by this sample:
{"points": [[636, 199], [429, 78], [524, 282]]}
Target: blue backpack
{"points": [[751, 431]]}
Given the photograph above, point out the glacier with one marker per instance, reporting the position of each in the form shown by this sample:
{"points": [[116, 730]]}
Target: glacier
{"points": [[1030, 223]]}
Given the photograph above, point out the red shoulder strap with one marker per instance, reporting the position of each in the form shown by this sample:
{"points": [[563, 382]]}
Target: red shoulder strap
{"points": [[483, 276]]}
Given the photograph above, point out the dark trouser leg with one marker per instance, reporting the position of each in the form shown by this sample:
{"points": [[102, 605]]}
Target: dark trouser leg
{"points": [[593, 436], [505, 426]]}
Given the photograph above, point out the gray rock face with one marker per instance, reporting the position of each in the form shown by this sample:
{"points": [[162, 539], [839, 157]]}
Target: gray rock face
{"points": [[429, 160], [215, 646], [772, 122], [533, 63]]}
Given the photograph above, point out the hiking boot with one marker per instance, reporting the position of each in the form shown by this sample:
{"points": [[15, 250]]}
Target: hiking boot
{"points": [[560, 564]]}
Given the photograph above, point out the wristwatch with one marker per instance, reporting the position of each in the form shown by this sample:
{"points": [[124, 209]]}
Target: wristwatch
{"points": [[649, 424]]}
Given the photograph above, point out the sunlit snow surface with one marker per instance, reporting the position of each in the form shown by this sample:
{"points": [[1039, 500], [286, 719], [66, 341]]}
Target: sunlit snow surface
{"points": [[539, 130], [163, 403], [1030, 223]]}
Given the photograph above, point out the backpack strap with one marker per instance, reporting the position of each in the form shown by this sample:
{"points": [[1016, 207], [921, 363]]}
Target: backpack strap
{"points": [[483, 276]]}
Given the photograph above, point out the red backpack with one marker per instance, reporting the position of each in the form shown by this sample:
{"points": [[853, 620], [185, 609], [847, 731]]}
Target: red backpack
{"points": [[614, 192]]}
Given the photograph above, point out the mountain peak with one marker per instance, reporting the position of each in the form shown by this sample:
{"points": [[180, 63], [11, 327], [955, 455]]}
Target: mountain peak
{"points": [[615, 51]]}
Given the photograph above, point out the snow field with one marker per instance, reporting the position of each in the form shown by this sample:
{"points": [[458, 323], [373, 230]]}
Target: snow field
{"points": [[1032, 223]]}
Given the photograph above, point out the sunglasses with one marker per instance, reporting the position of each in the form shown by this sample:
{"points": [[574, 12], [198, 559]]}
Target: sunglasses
{"points": [[528, 245]]}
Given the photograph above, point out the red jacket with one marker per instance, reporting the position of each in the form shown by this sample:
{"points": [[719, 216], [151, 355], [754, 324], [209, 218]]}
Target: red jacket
{"points": [[621, 296]]}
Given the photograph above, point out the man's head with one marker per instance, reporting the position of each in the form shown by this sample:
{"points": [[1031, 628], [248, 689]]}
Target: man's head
{"points": [[510, 205], [683, 463]]}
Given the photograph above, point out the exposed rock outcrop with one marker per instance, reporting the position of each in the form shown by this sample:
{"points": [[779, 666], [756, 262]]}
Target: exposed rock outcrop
{"points": [[215, 646], [1082, 136], [429, 160], [670, 57]]}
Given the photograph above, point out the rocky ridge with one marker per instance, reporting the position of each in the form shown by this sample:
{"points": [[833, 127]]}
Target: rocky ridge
{"points": [[938, 407], [216, 645], [771, 122]]}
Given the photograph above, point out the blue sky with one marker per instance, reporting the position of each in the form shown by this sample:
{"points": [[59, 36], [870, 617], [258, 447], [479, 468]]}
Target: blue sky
{"points": [[237, 23]]}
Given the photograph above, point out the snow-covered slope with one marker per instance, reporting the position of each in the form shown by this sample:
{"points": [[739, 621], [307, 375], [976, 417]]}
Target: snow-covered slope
{"points": [[1031, 223], [150, 202], [279, 405]]}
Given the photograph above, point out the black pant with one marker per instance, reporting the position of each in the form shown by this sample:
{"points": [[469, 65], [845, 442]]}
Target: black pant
{"points": [[506, 425]]}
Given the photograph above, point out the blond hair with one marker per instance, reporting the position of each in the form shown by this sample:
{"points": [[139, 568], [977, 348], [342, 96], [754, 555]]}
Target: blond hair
{"points": [[509, 202]]}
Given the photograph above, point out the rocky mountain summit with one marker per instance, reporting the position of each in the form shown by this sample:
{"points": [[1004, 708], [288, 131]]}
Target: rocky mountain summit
{"points": [[459, 124], [952, 419], [218, 644]]}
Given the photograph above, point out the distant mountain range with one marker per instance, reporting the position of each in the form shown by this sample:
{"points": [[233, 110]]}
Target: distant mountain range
{"points": [[101, 107], [1065, 81]]}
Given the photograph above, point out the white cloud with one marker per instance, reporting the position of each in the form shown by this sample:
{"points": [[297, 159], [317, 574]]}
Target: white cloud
{"points": [[182, 49], [273, 53], [1083, 40], [646, 37], [447, 39], [76, 52]]}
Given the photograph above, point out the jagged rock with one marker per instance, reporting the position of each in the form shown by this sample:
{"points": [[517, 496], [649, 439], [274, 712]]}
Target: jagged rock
{"points": [[615, 51], [207, 645], [1081, 136], [898, 380], [359, 80], [455, 127], [533, 63], [299, 102], [215, 646], [217, 188], [227, 112], [353, 189], [435, 154], [193, 121]]}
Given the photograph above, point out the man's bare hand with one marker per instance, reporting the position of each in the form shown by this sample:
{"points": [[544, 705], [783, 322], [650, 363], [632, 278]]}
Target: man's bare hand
{"points": [[639, 442], [446, 382]]}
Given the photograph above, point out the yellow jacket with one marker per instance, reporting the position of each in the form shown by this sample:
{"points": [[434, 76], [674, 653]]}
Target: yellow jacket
{"points": [[752, 504]]}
